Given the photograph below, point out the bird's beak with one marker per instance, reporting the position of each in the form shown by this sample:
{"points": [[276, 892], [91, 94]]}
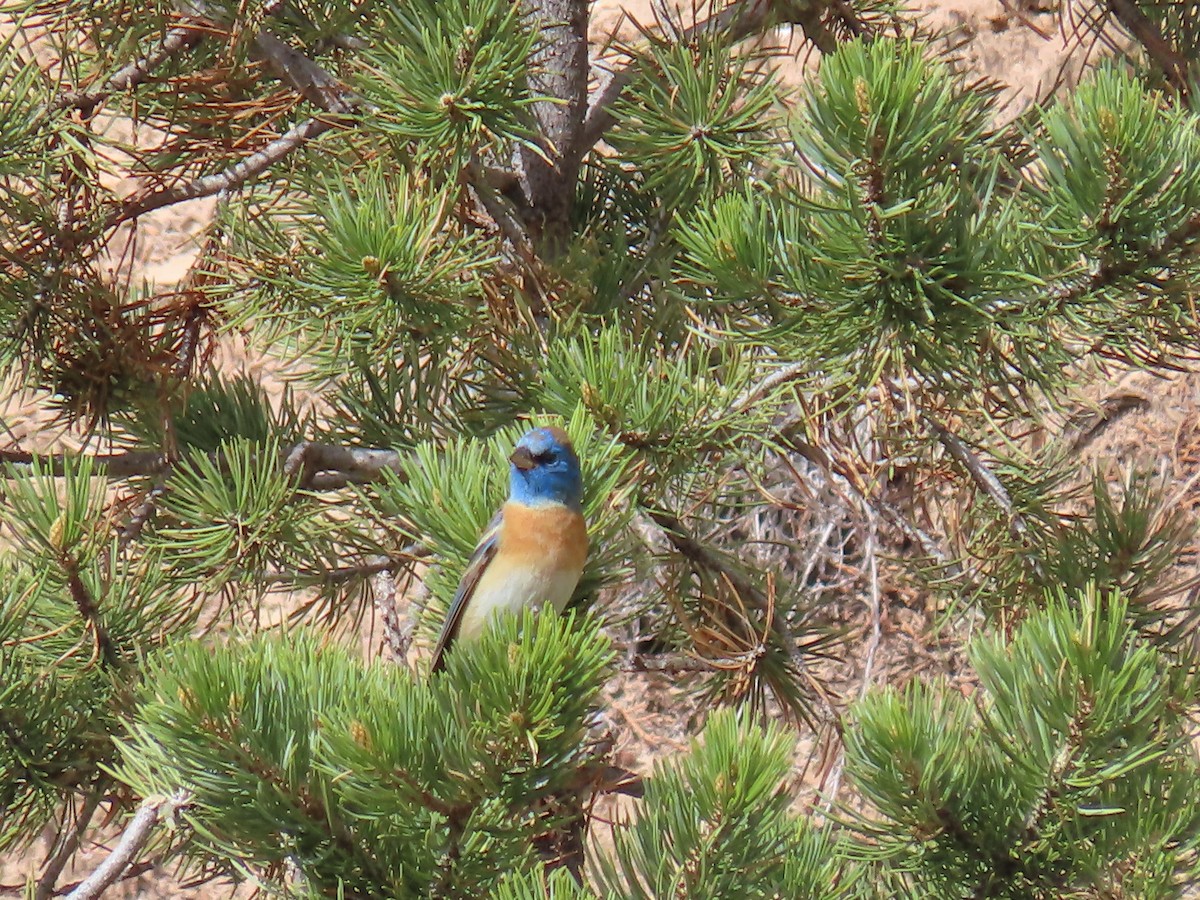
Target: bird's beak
{"points": [[522, 459]]}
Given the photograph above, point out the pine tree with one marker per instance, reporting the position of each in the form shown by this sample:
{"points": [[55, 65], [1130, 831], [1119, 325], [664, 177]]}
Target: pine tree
{"points": [[790, 334]]}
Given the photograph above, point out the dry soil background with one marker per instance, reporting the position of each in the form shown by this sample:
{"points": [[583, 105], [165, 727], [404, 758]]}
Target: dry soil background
{"points": [[1024, 48]]}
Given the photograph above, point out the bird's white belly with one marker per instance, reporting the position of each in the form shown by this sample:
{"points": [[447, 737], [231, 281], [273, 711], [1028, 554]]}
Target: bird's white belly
{"points": [[511, 591]]}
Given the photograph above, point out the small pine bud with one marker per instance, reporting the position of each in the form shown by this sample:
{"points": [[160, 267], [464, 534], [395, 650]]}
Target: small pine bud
{"points": [[1107, 122], [862, 98], [372, 266], [58, 533], [360, 735]]}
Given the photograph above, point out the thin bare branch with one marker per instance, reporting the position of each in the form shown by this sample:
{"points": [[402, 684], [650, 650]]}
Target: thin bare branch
{"points": [[675, 663], [980, 473], [343, 574], [792, 372], [229, 179], [305, 77], [318, 466], [70, 843], [330, 466], [134, 838], [177, 40]]}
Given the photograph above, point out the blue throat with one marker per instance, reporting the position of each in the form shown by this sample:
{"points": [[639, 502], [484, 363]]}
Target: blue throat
{"points": [[542, 484]]}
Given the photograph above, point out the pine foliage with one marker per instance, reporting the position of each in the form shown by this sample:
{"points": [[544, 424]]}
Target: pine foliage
{"points": [[806, 340]]}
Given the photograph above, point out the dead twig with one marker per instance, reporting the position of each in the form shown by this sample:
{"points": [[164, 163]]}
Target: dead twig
{"points": [[229, 179], [177, 40], [134, 838], [70, 843], [317, 466]]}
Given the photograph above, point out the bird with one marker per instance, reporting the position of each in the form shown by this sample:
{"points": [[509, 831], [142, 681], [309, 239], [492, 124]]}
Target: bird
{"points": [[533, 552]]}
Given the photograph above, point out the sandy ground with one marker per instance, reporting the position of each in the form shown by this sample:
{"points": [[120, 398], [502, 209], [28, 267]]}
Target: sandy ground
{"points": [[1022, 47]]}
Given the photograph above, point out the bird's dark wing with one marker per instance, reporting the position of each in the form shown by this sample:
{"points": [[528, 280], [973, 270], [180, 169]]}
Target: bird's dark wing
{"points": [[476, 565]]}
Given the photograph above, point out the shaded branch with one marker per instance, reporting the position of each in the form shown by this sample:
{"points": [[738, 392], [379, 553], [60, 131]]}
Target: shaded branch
{"points": [[1172, 63], [697, 554], [88, 609], [492, 190]]}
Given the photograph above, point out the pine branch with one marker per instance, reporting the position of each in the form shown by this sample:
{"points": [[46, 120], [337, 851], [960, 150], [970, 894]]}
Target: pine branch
{"points": [[132, 841], [509, 219], [980, 473], [696, 553], [54, 868], [738, 20], [1183, 239], [317, 466], [777, 379], [229, 179], [343, 574], [177, 40], [1172, 64], [304, 76], [397, 640]]}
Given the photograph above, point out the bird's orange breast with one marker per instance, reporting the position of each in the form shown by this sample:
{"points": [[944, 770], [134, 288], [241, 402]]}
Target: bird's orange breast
{"points": [[548, 536]]}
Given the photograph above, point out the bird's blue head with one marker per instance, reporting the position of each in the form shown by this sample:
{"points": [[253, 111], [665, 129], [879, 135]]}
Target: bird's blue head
{"points": [[545, 469]]}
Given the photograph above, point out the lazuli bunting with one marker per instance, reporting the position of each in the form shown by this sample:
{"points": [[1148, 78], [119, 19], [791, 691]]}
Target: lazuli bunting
{"points": [[533, 552]]}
